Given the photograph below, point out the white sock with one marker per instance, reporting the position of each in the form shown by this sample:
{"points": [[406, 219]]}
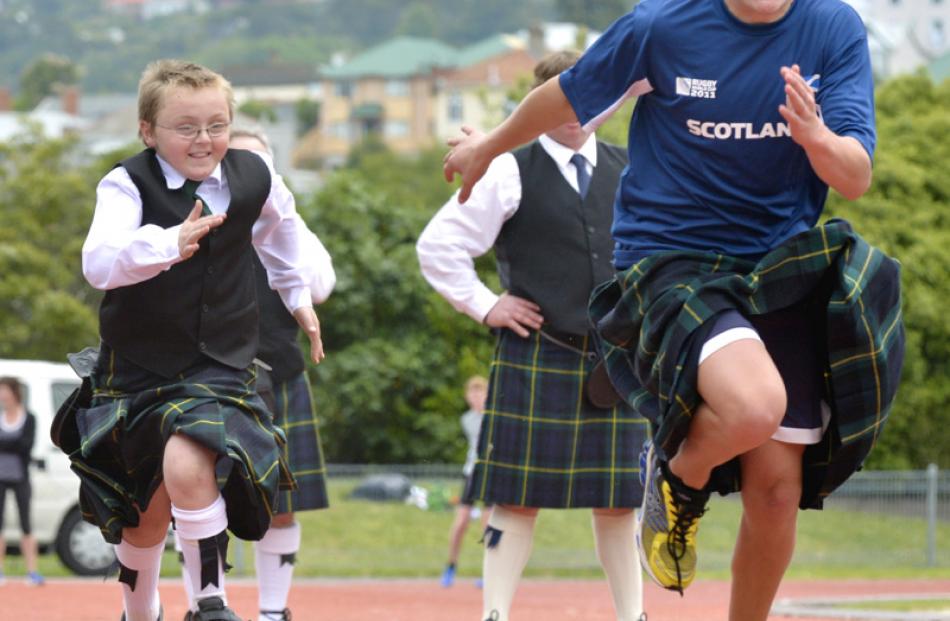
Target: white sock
{"points": [[185, 577], [142, 603], [191, 527], [506, 555], [274, 574], [615, 542]]}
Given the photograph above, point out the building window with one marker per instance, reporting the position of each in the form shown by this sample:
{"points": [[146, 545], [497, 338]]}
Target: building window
{"points": [[397, 88], [396, 129], [938, 37], [456, 107], [343, 89], [340, 130]]}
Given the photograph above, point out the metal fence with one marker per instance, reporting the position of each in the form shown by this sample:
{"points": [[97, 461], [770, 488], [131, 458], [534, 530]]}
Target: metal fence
{"points": [[912, 493], [919, 499]]}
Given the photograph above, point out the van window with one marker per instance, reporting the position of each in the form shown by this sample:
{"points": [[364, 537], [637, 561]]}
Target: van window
{"points": [[60, 391]]}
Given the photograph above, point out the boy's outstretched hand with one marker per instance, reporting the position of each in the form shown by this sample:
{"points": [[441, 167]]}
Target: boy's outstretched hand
{"points": [[465, 159], [194, 228], [307, 320]]}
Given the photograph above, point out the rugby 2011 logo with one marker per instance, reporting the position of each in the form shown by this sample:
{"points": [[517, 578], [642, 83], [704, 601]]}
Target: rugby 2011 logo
{"points": [[694, 87]]}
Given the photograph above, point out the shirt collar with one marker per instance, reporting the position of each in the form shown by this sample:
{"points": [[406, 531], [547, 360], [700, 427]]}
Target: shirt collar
{"points": [[562, 155], [174, 179]]}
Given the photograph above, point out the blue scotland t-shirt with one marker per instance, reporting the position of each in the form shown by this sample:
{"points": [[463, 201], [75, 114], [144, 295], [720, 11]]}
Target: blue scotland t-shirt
{"points": [[713, 166]]}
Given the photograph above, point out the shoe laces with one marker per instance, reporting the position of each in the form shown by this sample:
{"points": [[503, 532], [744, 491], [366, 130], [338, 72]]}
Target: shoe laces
{"points": [[685, 523]]}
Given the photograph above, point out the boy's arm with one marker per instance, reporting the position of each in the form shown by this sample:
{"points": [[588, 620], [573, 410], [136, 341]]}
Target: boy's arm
{"points": [[457, 234], [282, 249], [119, 251], [323, 276], [544, 109]]}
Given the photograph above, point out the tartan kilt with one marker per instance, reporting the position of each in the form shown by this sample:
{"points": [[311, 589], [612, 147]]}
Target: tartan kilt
{"points": [[121, 435], [654, 316], [296, 416], [542, 443]]}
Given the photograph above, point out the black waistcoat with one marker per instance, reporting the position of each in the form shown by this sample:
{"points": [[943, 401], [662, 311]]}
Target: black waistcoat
{"points": [[205, 305], [278, 328], [557, 247]]}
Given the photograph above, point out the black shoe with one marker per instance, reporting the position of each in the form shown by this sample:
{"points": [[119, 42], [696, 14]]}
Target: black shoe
{"points": [[213, 609], [278, 615], [161, 615]]}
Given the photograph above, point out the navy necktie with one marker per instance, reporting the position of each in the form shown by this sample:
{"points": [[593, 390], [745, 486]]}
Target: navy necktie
{"points": [[190, 188], [583, 177]]}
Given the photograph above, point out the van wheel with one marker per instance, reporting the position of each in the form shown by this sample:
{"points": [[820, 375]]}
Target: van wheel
{"points": [[81, 547]]}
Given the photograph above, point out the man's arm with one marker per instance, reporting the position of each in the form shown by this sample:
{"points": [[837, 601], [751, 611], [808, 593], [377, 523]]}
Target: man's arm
{"points": [[545, 108]]}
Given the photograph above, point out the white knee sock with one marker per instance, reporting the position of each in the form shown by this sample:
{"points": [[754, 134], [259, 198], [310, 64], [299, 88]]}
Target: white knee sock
{"points": [[185, 577], [508, 541], [273, 558], [615, 542], [192, 527], [141, 604]]}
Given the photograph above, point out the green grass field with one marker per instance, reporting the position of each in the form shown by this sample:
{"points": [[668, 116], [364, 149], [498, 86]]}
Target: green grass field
{"points": [[357, 538]]}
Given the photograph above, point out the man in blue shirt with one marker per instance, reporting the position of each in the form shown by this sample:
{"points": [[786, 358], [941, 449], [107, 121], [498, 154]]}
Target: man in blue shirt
{"points": [[748, 111]]}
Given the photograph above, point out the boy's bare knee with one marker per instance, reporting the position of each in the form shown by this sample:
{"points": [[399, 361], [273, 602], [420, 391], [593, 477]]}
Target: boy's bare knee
{"points": [[187, 465], [772, 505], [756, 414]]}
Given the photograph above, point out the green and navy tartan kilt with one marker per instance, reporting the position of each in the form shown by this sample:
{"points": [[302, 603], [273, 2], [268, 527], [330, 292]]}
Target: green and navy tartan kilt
{"points": [[542, 444], [296, 416], [653, 316], [121, 437]]}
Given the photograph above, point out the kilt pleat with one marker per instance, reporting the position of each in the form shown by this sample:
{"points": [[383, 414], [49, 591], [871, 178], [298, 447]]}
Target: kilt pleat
{"points": [[542, 443], [295, 414], [122, 436]]}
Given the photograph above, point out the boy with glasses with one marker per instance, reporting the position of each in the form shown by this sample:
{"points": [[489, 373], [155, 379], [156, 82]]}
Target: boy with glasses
{"points": [[172, 244]]}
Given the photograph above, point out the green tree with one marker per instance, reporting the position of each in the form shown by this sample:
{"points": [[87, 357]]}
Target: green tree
{"points": [[594, 13], [42, 77], [46, 310], [307, 113], [390, 387], [258, 110]]}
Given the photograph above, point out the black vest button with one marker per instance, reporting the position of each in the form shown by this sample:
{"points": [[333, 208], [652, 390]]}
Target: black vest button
{"points": [[211, 269], [204, 308], [202, 346]]}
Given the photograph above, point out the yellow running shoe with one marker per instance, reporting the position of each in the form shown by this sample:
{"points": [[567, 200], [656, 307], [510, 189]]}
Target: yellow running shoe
{"points": [[666, 527]]}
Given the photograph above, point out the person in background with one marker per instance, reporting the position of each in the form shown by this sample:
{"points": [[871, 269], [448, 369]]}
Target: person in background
{"points": [[286, 391], [476, 390], [17, 432], [547, 440]]}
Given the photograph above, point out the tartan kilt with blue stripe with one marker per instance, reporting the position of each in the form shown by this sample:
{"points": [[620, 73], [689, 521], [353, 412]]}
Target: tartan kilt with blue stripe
{"points": [[122, 435], [542, 443], [296, 416], [654, 316]]}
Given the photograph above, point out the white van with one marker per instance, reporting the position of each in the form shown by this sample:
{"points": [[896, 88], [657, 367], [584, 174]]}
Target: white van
{"points": [[55, 509]]}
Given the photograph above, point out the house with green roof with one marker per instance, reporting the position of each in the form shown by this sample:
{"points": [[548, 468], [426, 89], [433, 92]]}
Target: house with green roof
{"points": [[411, 93]]}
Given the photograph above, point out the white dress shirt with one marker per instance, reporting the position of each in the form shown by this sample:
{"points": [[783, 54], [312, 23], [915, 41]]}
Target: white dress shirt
{"points": [[458, 233], [119, 251]]}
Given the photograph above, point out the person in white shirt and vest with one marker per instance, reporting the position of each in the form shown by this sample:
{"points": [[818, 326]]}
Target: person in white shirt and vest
{"points": [[545, 441], [173, 391], [285, 388]]}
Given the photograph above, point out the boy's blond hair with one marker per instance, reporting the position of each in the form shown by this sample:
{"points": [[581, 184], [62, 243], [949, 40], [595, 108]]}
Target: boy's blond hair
{"points": [[476, 381], [246, 132], [161, 75], [553, 64]]}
